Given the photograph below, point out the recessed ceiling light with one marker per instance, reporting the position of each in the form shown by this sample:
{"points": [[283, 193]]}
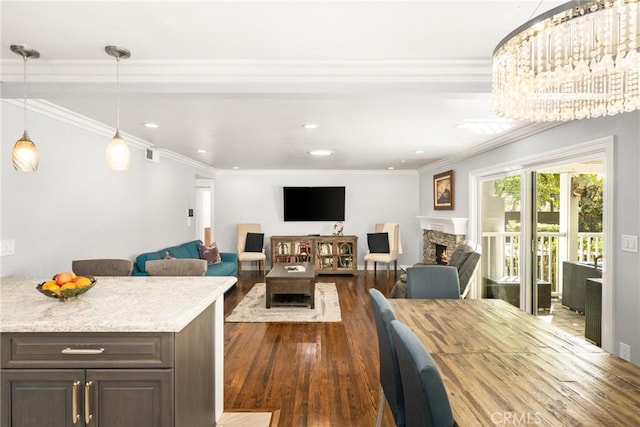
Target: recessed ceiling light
{"points": [[485, 127], [419, 151], [310, 126], [150, 125], [235, 167], [402, 161], [321, 152], [202, 151], [391, 168]]}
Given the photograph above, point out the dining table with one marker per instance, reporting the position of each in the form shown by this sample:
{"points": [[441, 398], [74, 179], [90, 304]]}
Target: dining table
{"points": [[503, 366]]}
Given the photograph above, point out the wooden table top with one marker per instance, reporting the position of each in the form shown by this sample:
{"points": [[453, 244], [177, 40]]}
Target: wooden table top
{"points": [[279, 271], [502, 366]]}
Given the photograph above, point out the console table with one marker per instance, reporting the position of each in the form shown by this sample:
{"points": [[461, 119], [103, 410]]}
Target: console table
{"points": [[329, 254], [120, 354]]}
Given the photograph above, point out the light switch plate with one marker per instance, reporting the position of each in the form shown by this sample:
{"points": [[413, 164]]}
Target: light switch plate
{"points": [[7, 247], [629, 243]]}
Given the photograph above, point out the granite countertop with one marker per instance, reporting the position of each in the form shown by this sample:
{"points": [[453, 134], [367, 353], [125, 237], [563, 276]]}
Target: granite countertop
{"points": [[114, 304]]}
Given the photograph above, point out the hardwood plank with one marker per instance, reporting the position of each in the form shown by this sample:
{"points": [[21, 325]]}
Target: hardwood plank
{"points": [[315, 374]]}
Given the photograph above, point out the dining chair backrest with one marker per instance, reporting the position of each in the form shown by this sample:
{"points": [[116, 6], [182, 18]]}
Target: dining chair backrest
{"points": [[425, 398], [102, 267], [433, 282], [176, 267], [389, 370]]}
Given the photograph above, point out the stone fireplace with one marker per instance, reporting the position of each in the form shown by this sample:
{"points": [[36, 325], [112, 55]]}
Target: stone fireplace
{"points": [[440, 236]]}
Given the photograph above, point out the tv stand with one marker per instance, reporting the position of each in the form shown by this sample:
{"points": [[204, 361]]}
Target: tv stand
{"points": [[330, 254]]}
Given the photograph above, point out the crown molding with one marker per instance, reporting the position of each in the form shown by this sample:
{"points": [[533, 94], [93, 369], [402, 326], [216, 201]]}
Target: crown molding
{"points": [[505, 138], [61, 114], [243, 71]]}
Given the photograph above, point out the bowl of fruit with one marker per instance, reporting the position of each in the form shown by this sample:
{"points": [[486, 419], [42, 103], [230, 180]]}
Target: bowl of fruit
{"points": [[66, 285]]}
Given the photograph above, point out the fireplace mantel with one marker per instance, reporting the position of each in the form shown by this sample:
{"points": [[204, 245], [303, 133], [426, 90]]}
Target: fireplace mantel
{"points": [[455, 226]]}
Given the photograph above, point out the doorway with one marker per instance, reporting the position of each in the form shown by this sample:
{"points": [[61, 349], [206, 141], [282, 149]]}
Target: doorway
{"points": [[538, 223]]}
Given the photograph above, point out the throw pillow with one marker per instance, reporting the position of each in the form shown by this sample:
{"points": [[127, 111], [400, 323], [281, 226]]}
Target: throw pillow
{"points": [[210, 253], [378, 243], [167, 255], [254, 242]]}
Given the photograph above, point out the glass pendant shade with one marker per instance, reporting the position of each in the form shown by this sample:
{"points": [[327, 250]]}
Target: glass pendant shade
{"points": [[118, 154], [24, 155]]}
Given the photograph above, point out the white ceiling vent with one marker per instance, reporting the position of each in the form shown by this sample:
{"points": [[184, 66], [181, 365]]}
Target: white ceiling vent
{"points": [[152, 155]]}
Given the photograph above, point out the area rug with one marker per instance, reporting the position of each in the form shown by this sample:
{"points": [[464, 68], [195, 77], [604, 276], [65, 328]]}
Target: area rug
{"points": [[253, 308]]}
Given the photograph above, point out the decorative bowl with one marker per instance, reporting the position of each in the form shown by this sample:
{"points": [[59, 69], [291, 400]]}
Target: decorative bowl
{"points": [[65, 294]]}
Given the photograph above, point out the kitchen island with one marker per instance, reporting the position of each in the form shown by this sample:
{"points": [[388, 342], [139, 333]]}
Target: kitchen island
{"points": [[143, 351]]}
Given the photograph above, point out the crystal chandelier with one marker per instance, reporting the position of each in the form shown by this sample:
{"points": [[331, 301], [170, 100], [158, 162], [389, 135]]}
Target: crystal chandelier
{"points": [[576, 61]]}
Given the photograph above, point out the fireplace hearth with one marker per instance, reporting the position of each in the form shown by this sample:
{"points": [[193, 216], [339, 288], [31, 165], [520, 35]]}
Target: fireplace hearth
{"points": [[440, 236]]}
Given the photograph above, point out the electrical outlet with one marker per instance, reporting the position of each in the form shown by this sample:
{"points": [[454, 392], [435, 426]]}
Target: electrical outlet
{"points": [[7, 247], [625, 352]]}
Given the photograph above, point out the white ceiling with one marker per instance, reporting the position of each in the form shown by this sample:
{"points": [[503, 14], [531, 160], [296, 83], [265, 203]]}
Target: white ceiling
{"points": [[382, 79]]}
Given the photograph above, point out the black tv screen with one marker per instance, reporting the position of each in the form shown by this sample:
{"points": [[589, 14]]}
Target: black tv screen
{"points": [[314, 203]]}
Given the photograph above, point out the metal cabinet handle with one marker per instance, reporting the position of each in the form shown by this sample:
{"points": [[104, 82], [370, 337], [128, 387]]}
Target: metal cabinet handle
{"points": [[75, 414], [87, 402], [69, 350]]}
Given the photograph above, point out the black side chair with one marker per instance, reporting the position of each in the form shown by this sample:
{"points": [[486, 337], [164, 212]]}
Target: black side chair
{"points": [[390, 383], [425, 398]]}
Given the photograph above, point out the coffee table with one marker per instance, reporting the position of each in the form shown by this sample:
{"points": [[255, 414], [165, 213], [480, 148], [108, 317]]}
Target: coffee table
{"points": [[282, 281]]}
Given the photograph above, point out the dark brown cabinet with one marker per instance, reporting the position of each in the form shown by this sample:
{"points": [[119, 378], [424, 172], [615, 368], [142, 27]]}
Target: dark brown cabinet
{"points": [[109, 379], [71, 397]]}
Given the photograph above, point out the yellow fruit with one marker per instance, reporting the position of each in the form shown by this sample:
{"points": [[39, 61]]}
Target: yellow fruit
{"points": [[68, 285], [82, 282], [48, 284]]}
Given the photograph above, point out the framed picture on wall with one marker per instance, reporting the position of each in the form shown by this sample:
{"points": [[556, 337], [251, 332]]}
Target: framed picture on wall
{"points": [[443, 190]]}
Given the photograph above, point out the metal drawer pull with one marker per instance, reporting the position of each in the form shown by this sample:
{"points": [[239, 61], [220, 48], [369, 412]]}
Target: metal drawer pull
{"points": [[87, 402], [82, 350], [74, 402]]}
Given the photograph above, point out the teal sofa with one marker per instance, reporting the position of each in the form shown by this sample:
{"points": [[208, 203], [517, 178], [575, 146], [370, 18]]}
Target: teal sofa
{"points": [[228, 266]]}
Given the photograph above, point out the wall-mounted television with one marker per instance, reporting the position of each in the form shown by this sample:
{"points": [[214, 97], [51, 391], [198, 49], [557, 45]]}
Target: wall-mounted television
{"points": [[314, 203]]}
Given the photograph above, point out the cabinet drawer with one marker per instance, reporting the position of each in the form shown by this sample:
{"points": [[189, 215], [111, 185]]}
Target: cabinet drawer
{"points": [[87, 350]]}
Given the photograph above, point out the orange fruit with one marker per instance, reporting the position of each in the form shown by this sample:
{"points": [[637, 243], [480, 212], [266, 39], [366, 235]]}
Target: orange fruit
{"points": [[68, 285], [82, 282]]}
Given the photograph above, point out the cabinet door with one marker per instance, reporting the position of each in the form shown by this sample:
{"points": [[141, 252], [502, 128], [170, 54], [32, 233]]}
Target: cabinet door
{"points": [[130, 397], [41, 397]]}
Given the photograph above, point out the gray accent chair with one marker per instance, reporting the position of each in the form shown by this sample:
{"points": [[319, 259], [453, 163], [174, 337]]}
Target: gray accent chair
{"points": [[433, 282], [176, 267], [465, 257], [390, 383], [102, 267], [425, 397]]}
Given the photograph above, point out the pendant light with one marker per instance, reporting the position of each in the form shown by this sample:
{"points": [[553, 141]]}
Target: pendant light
{"points": [[118, 155], [24, 154]]}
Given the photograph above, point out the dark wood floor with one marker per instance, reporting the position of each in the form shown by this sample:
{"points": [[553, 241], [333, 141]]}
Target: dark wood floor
{"points": [[316, 374]]}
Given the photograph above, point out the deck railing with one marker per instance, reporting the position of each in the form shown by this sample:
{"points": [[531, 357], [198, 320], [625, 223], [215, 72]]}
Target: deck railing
{"points": [[506, 245]]}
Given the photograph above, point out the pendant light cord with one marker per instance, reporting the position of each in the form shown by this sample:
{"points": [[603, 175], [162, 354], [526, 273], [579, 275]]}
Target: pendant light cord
{"points": [[24, 80], [117, 93]]}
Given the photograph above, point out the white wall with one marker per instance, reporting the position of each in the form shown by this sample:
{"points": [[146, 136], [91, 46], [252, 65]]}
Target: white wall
{"points": [[371, 197], [74, 207], [626, 215]]}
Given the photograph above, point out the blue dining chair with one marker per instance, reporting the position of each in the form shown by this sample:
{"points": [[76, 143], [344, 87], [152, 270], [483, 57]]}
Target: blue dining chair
{"points": [[433, 282], [425, 398], [390, 383]]}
